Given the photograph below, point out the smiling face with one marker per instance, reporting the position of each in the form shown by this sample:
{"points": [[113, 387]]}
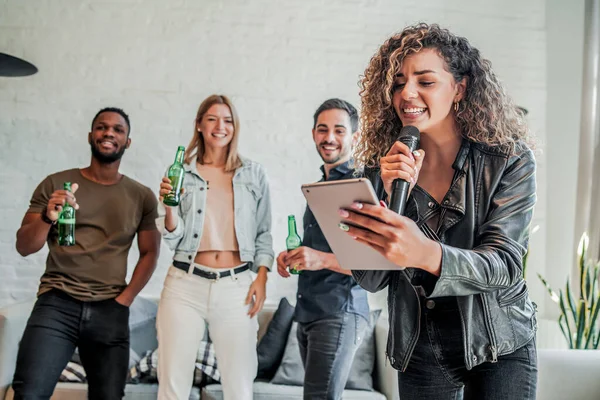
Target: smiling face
{"points": [[109, 137], [424, 92], [333, 136], [216, 126]]}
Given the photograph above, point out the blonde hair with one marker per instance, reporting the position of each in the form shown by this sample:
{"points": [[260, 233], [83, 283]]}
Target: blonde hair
{"points": [[485, 115], [196, 148]]}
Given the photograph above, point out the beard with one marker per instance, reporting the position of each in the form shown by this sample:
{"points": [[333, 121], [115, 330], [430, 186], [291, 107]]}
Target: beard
{"points": [[106, 158], [343, 152]]}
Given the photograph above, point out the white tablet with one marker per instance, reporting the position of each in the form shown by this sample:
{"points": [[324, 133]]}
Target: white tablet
{"points": [[324, 200]]}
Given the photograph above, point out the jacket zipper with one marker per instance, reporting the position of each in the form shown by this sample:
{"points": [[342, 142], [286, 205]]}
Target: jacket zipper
{"points": [[414, 343], [390, 340], [488, 324]]}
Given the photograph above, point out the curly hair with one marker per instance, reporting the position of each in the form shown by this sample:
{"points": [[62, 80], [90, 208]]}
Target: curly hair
{"points": [[486, 114]]}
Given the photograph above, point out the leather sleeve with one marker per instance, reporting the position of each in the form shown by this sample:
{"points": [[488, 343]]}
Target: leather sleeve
{"points": [[502, 238]]}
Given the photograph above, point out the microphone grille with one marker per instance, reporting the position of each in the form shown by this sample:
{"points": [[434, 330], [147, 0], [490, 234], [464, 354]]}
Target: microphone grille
{"points": [[409, 130]]}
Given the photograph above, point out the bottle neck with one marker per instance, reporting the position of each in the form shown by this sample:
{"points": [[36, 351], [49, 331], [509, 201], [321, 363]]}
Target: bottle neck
{"points": [[179, 156], [67, 206], [292, 226]]}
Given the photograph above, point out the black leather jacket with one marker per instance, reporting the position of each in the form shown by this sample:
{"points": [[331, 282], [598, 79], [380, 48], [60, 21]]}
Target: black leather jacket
{"points": [[484, 234]]}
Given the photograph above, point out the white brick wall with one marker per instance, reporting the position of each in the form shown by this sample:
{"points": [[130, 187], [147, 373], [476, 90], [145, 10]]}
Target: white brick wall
{"points": [[277, 60]]}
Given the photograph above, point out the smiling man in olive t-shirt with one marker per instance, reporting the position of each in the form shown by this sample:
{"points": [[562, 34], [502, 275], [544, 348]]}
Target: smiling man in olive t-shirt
{"points": [[83, 299]]}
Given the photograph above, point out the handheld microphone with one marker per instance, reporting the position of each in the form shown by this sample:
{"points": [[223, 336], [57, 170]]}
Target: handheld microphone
{"points": [[410, 136]]}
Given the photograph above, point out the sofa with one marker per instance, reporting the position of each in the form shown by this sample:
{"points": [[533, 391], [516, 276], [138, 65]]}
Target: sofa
{"points": [[13, 319], [563, 374]]}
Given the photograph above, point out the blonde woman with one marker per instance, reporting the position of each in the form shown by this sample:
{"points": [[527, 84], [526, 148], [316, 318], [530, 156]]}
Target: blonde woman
{"points": [[461, 321], [220, 232]]}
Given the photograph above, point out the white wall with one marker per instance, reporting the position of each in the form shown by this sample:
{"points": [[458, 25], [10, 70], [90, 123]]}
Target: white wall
{"points": [[277, 60], [564, 57]]}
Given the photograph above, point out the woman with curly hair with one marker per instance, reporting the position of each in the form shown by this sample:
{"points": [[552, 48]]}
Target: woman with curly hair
{"points": [[461, 321]]}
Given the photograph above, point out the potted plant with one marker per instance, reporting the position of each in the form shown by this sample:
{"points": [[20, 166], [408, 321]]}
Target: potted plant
{"points": [[578, 319]]}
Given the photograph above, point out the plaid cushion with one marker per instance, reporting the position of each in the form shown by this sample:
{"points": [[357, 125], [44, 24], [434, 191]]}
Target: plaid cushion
{"points": [[145, 370], [205, 373], [206, 361], [73, 372]]}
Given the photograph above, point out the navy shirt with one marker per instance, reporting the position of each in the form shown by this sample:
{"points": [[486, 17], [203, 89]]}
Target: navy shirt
{"points": [[324, 293]]}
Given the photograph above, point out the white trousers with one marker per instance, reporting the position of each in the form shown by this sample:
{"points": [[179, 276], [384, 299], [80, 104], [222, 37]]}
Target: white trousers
{"points": [[186, 303]]}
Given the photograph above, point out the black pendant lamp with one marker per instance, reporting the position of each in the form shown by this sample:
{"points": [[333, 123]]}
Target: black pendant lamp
{"points": [[13, 66]]}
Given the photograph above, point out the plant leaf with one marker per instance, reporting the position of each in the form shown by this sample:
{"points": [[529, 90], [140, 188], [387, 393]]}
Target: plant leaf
{"points": [[594, 290], [553, 294], [587, 288], [581, 314], [571, 300], [567, 336], [581, 256], [592, 327], [566, 318]]}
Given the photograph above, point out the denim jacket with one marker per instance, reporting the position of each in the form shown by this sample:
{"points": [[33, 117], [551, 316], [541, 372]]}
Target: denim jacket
{"points": [[252, 215]]}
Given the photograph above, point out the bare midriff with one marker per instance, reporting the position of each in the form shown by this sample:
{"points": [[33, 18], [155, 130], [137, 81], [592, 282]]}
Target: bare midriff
{"points": [[218, 259]]}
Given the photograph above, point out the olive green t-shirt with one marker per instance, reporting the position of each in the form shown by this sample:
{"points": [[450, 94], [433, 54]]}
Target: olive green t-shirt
{"points": [[108, 218]]}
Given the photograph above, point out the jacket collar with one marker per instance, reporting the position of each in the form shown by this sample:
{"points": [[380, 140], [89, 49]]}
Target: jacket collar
{"points": [[455, 200], [457, 194], [462, 155]]}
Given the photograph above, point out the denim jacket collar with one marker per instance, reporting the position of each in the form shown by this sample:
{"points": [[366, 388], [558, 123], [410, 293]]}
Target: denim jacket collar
{"points": [[191, 167]]}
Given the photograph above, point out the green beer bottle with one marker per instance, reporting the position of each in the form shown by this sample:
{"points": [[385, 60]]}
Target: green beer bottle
{"points": [[66, 222], [293, 240], [175, 175]]}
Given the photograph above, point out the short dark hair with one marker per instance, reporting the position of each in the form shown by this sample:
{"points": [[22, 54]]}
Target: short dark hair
{"points": [[115, 110], [338, 104]]}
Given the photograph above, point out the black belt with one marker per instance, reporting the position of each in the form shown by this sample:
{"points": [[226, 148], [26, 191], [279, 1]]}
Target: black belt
{"points": [[209, 275]]}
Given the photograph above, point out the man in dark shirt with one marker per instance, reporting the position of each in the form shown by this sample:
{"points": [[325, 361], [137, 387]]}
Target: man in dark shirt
{"points": [[332, 310]]}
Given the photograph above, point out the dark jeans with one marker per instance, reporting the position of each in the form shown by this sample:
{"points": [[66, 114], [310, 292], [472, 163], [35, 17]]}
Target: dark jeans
{"points": [[437, 367], [327, 347], [58, 324]]}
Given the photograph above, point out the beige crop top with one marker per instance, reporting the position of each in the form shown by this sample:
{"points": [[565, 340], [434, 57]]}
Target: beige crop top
{"points": [[218, 233]]}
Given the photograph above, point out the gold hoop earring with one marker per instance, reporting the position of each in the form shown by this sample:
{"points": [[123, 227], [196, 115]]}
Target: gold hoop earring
{"points": [[456, 107]]}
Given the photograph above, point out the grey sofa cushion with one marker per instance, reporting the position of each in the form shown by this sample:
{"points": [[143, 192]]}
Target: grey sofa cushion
{"points": [[361, 373], [291, 369], [269, 391], [142, 325]]}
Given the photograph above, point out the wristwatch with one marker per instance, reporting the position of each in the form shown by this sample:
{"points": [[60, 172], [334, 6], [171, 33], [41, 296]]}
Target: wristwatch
{"points": [[47, 220]]}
